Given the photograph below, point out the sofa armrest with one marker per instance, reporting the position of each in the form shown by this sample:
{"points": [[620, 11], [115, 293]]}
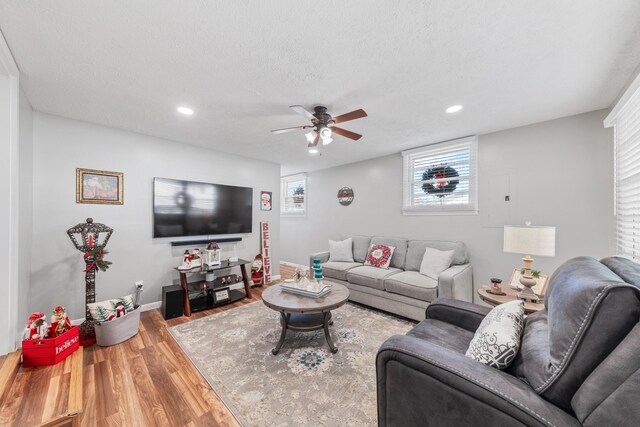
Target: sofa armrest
{"points": [[420, 383], [456, 282], [322, 256], [460, 313]]}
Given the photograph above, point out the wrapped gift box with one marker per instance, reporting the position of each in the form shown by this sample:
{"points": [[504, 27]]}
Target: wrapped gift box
{"points": [[49, 351]]}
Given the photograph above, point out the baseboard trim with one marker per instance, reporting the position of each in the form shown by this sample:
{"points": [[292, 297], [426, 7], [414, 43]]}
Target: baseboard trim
{"points": [[294, 265], [151, 306]]}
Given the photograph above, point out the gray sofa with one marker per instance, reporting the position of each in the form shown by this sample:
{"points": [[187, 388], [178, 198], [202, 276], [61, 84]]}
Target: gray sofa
{"points": [[578, 364], [401, 289]]}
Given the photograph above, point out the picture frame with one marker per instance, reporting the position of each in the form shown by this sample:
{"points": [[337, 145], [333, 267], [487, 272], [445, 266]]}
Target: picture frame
{"points": [[541, 282], [266, 200], [99, 187], [221, 295]]}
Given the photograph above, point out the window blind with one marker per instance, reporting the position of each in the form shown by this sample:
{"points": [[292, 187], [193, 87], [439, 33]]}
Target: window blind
{"points": [[626, 124], [294, 194], [441, 178]]}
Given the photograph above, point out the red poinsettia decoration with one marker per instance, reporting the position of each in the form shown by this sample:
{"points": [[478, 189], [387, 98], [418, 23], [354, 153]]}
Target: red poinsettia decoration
{"points": [[94, 258]]}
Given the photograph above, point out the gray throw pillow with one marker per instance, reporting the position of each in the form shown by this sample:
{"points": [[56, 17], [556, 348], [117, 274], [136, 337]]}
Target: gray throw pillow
{"points": [[497, 340], [341, 250]]}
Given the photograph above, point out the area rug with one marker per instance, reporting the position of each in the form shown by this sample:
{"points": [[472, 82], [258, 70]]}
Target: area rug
{"points": [[305, 384]]}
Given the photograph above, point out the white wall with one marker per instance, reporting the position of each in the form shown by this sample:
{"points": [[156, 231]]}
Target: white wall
{"points": [[556, 173], [61, 145], [25, 207]]}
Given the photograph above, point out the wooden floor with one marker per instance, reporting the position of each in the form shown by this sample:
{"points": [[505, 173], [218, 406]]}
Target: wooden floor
{"points": [[145, 381]]}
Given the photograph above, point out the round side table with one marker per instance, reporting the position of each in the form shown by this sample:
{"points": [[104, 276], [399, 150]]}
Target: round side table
{"points": [[511, 294]]}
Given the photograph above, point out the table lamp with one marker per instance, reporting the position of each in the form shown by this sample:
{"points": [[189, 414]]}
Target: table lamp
{"points": [[529, 240]]}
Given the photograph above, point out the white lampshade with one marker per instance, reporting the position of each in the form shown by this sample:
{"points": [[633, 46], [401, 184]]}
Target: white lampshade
{"points": [[530, 240]]}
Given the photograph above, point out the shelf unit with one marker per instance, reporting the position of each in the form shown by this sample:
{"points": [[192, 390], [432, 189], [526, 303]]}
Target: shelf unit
{"points": [[198, 293]]}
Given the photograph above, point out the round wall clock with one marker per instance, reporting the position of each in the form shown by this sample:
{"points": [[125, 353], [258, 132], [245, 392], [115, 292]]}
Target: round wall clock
{"points": [[345, 196]]}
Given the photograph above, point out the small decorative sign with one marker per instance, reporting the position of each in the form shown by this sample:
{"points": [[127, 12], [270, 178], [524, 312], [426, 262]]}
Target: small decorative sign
{"points": [[345, 196], [221, 295], [266, 252], [265, 201]]}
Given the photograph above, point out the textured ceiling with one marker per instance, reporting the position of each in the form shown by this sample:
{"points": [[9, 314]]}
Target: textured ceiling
{"points": [[240, 64]]}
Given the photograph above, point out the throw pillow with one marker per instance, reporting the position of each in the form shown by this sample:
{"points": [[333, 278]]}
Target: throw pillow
{"points": [[497, 340], [341, 250], [107, 310], [379, 256], [435, 262]]}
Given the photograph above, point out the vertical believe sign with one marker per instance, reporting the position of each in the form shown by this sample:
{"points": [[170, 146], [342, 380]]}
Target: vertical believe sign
{"points": [[266, 252]]}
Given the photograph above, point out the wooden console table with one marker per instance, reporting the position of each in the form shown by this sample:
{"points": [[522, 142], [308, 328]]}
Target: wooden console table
{"points": [[225, 265]]}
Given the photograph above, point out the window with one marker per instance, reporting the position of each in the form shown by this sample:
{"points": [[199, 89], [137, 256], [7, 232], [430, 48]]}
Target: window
{"points": [[293, 190], [625, 120], [441, 178]]}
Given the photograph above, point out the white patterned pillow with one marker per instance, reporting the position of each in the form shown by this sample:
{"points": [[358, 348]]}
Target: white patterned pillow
{"points": [[497, 340], [107, 310], [341, 250]]}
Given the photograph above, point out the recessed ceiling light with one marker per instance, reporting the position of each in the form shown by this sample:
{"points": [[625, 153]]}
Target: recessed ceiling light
{"points": [[185, 110], [454, 109], [313, 150]]}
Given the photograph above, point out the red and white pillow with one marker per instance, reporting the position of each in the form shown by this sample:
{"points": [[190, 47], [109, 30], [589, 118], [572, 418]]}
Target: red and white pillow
{"points": [[379, 256]]}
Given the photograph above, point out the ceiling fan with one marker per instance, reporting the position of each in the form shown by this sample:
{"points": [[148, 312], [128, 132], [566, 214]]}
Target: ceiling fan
{"points": [[323, 125]]}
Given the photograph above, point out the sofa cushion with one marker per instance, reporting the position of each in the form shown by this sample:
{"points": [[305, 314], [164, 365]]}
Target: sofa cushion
{"points": [[497, 340], [372, 277], [435, 262], [589, 312], [341, 250], [627, 269], [360, 246], [400, 252], [416, 248], [379, 256], [443, 334], [338, 269], [412, 284]]}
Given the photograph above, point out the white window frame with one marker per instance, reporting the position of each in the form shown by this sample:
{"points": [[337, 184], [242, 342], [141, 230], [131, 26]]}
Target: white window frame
{"points": [[284, 181], [408, 158], [625, 119]]}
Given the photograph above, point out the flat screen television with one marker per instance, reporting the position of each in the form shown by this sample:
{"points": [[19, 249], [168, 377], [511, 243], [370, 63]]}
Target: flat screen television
{"points": [[186, 208]]}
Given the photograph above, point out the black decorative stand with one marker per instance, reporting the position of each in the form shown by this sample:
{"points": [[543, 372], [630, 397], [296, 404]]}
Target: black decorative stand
{"points": [[84, 236]]}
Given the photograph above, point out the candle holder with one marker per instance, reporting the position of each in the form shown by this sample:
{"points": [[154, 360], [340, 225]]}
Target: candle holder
{"points": [[90, 238], [495, 288]]}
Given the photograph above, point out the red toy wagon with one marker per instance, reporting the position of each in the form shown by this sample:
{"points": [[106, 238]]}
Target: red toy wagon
{"points": [[49, 351]]}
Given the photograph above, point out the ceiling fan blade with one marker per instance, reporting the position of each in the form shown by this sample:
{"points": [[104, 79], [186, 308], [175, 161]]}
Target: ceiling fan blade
{"points": [[315, 141], [303, 112], [357, 114], [276, 131], [346, 133]]}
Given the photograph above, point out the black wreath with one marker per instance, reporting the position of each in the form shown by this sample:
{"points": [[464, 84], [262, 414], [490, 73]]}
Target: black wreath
{"points": [[443, 172]]}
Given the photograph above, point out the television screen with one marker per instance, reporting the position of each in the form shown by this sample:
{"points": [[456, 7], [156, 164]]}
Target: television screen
{"points": [[185, 208]]}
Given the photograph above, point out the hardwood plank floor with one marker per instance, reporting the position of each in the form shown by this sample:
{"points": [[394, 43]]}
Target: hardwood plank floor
{"points": [[145, 381]]}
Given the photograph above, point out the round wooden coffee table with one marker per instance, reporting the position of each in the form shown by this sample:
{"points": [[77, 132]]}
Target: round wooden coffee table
{"points": [[300, 313]]}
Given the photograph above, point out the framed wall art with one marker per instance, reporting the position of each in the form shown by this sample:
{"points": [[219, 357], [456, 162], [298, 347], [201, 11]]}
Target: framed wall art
{"points": [[99, 187], [539, 288], [266, 200]]}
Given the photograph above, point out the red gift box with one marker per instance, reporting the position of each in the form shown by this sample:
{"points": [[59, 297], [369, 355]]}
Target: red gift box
{"points": [[49, 351]]}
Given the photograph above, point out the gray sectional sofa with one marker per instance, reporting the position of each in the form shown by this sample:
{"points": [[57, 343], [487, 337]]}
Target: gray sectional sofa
{"points": [[401, 289]]}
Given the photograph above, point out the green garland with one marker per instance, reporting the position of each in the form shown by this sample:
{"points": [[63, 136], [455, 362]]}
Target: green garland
{"points": [[94, 258]]}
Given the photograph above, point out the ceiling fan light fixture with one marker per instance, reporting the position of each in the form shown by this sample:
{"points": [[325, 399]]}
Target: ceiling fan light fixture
{"points": [[327, 141], [313, 150], [310, 136], [454, 109], [325, 133]]}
